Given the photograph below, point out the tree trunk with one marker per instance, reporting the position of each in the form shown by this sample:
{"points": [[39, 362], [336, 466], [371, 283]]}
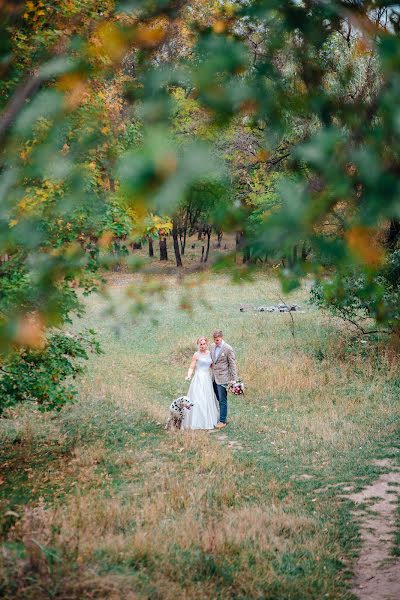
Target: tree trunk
{"points": [[181, 244], [393, 234], [112, 184], [185, 227], [240, 244], [163, 249], [202, 254], [151, 248], [239, 241], [208, 244], [184, 239], [246, 255], [219, 238], [305, 251], [176, 243]]}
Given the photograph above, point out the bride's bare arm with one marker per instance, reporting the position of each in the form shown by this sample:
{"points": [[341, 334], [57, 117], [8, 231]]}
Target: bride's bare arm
{"points": [[192, 366]]}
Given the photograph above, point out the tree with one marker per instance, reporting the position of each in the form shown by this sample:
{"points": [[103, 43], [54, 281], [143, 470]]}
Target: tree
{"points": [[163, 248], [176, 242]]}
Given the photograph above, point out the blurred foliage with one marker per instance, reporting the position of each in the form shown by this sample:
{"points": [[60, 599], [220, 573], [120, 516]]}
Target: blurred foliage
{"points": [[280, 117]]}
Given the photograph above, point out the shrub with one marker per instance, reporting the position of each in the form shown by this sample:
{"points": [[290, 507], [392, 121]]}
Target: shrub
{"points": [[45, 375], [356, 294]]}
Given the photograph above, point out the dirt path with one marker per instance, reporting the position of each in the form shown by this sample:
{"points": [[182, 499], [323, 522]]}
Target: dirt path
{"points": [[377, 572]]}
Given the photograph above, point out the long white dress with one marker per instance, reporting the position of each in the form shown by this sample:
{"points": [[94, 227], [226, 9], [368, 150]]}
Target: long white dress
{"points": [[205, 412]]}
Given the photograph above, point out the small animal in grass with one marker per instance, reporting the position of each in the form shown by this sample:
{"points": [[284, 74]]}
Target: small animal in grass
{"points": [[176, 412]]}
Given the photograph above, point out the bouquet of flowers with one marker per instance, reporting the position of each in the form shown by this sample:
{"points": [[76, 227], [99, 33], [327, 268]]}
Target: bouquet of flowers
{"points": [[236, 388]]}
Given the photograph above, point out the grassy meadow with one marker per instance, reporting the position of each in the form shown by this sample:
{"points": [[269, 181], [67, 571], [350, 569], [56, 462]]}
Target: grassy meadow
{"points": [[98, 501]]}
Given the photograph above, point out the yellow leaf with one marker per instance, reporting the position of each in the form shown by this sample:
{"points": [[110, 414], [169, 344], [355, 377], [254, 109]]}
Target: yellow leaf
{"points": [[362, 243], [30, 331], [219, 26], [148, 36], [362, 47], [105, 239], [108, 41], [262, 155], [75, 87]]}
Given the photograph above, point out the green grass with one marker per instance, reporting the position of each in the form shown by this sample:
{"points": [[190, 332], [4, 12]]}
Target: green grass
{"points": [[119, 508]]}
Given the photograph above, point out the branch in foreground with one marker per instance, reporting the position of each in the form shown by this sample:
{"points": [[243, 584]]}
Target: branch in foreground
{"points": [[16, 103]]}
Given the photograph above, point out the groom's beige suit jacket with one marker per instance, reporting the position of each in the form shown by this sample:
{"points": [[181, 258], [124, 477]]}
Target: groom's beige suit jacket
{"points": [[224, 367]]}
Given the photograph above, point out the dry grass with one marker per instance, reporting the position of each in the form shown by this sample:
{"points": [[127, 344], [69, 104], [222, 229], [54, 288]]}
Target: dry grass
{"points": [[196, 508], [115, 507]]}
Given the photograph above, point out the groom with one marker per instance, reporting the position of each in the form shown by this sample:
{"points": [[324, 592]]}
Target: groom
{"points": [[224, 371]]}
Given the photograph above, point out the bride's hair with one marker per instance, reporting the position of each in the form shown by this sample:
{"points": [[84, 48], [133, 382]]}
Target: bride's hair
{"points": [[202, 337]]}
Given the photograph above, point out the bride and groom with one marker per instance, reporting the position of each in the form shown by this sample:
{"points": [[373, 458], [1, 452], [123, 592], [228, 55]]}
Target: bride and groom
{"points": [[214, 370]]}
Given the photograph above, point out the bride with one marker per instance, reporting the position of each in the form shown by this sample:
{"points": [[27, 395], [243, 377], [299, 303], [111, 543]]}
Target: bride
{"points": [[204, 414]]}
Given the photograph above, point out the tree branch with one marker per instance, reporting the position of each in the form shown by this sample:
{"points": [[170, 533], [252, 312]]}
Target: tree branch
{"points": [[16, 103]]}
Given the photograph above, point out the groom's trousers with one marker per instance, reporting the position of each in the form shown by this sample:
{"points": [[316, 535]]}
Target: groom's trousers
{"points": [[221, 393]]}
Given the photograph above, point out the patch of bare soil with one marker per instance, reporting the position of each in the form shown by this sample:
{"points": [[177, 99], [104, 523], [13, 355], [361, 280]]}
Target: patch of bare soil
{"points": [[377, 572]]}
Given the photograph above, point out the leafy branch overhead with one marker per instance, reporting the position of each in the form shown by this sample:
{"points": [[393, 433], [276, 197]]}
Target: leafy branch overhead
{"points": [[277, 121]]}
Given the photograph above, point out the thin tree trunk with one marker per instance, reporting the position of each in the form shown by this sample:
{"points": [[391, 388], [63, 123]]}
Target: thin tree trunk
{"points": [[239, 244], [185, 227], [151, 247], [184, 239], [305, 251], [219, 238], [112, 184], [393, 235], [238, 241], [176, 243], [163, 249], [208, 244]]}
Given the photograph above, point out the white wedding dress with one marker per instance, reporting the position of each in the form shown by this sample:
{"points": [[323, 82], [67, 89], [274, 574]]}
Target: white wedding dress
{"points": [[205, 413]]}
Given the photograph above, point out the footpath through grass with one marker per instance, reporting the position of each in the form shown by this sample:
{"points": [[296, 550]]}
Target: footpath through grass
{"points": [[100, 502]]}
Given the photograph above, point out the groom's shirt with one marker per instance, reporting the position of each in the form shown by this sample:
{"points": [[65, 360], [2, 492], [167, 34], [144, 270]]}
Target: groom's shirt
{"points": [[218, 351]]}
